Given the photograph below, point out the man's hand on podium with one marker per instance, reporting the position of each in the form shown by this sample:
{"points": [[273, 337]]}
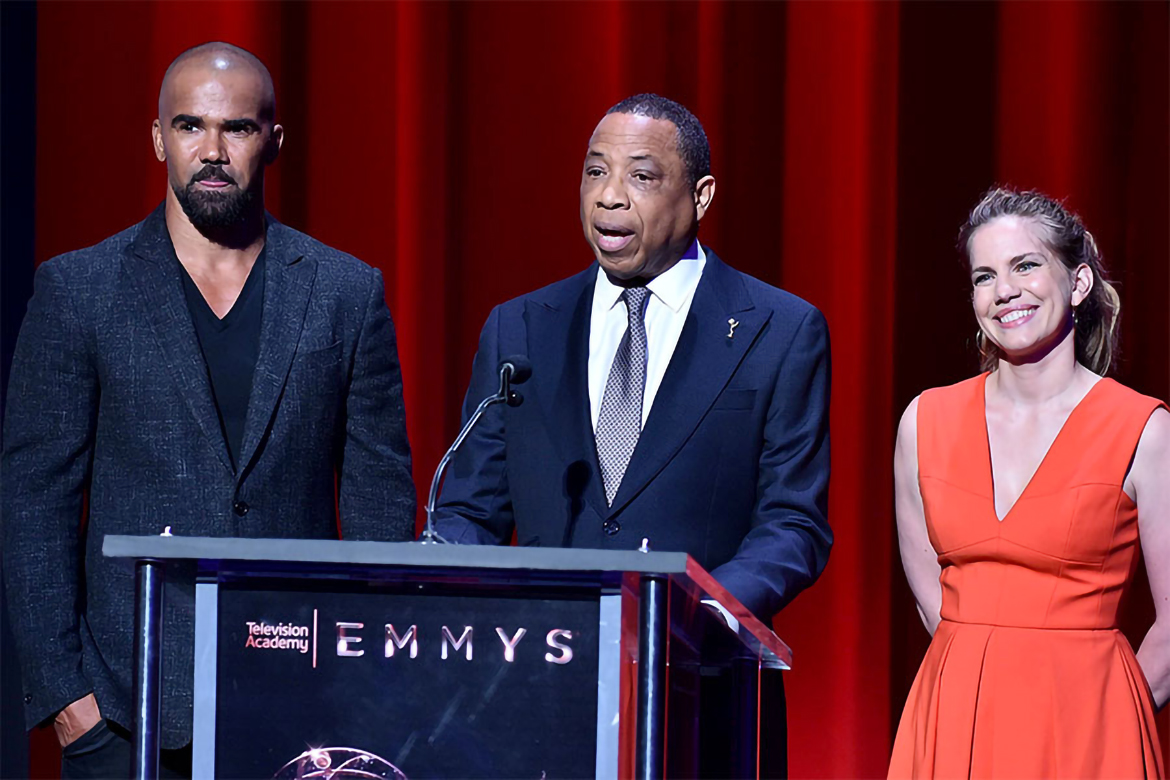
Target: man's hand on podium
{"points": [[76, 719], [723, 613]]}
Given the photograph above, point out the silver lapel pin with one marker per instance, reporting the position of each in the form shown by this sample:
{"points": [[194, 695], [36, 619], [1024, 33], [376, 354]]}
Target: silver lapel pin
{"points": [[734, 323]]}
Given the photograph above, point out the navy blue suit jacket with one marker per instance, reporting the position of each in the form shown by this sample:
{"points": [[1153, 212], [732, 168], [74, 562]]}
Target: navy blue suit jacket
{"points": [[109, 393], [732, 465]]}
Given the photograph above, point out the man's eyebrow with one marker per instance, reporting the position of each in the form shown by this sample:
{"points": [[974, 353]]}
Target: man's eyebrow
{"points": [[646, 156], [594, 153], [187, 119], [237, 124]]}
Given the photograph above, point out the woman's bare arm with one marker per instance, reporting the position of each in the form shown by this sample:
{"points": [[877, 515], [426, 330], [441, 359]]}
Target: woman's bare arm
{"points": [[918, 556], [1149, 484]]}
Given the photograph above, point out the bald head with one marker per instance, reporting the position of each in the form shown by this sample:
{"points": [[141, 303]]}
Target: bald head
{"points": [[217, 60]]}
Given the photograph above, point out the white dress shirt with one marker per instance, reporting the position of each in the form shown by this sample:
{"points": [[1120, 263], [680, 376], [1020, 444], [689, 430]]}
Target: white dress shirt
{"points": [[670, 299]]}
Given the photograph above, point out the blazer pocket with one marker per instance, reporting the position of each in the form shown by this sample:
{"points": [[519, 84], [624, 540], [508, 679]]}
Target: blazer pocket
{"points": [[90, 742], [733, 400], [320, 355]]}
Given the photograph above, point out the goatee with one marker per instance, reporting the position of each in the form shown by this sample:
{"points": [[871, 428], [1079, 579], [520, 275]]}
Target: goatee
{"points": [[214, 212]]}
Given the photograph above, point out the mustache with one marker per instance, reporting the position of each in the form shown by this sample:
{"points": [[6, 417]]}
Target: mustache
{"points": [[211, 173]]}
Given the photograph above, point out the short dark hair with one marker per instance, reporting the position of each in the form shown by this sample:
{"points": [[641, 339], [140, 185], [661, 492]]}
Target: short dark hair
{"points": [[692, 139]]}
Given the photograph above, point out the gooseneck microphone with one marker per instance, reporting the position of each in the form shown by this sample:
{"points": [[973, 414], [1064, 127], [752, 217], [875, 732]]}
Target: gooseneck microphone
{"points": [[514, 370]]}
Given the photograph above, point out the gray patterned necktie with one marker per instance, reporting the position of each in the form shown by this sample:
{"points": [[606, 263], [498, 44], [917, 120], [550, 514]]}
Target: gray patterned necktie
{"points": [[619, 422]]}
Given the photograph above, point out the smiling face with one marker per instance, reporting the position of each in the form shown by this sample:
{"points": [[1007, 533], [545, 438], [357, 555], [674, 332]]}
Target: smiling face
{"points": [[638, 209], [1022, 294], [215, 133]]}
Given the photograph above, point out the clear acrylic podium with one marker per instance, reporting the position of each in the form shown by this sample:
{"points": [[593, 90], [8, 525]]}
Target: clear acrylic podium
{"points": [[338, 659]]}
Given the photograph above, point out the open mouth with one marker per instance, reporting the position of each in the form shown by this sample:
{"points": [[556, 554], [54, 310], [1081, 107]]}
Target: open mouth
{"points": [[1016, 317], [613, 238]]}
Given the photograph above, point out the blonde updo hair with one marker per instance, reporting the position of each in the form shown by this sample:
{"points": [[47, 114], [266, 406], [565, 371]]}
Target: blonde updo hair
{"points": [[1097, 315]]}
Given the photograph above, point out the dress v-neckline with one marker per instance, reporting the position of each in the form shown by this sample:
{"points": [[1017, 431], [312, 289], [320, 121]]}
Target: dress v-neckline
{"points": [[1039, 467]]}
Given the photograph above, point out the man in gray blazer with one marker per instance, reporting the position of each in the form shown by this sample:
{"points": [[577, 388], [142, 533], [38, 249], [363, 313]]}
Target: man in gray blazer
{"points": [[208, 369]]}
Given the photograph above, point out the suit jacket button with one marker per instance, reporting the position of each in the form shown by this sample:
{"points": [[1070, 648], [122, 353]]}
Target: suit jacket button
{"points": [[611, 527], [240, 508], [28, 698]]}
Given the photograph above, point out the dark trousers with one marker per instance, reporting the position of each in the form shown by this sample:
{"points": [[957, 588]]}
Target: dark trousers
{"points": [[106, 752]]}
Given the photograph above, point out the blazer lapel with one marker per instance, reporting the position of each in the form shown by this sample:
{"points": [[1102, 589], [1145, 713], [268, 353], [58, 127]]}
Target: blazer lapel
{"points": [[702, 364], [558, 342], [151, 262], [288, 281]]}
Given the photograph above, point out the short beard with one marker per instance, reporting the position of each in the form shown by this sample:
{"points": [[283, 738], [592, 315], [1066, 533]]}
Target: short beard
{"points": [[216, 214]]}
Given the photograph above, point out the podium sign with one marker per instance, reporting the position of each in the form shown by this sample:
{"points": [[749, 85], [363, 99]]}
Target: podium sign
{"points": [[338, 659], [431, 684]]}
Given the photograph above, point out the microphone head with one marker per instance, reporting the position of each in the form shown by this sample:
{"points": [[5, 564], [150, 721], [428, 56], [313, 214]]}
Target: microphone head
{"points": [[521, 368]]}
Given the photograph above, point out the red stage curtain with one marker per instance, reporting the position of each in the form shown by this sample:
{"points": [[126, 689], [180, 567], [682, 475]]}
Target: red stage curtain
{"points": [[443, 142]]}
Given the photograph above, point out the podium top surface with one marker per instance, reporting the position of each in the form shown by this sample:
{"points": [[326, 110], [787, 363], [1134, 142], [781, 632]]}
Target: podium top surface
{"points": [[407, 554]]}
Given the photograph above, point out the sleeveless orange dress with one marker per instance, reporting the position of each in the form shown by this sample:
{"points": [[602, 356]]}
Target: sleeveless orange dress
{"points": [[1028, 675]]}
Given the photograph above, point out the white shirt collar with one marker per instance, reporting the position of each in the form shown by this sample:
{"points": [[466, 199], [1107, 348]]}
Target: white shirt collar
{"points": [[672, 287]]}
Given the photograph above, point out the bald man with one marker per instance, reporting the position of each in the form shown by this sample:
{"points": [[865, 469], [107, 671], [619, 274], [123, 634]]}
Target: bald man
{"points": [[208, 369]]}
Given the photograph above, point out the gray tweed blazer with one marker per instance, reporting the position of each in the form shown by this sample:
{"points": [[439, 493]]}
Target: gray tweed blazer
{"points": [[109, 396]]}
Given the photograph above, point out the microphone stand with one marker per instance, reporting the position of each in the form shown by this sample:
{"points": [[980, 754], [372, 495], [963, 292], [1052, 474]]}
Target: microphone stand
{"points": [[503, 395]]}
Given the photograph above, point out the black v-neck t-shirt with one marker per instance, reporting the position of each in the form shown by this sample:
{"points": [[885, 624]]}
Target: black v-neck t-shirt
{"points": [[230, 347]]}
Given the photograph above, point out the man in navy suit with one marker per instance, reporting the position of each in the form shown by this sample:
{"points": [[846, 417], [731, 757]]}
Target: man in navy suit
{"points": [[208, 369], [672, 397]]}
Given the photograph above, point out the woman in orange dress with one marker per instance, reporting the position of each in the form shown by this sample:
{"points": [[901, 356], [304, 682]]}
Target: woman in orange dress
{"points": [[1023, 495]]}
